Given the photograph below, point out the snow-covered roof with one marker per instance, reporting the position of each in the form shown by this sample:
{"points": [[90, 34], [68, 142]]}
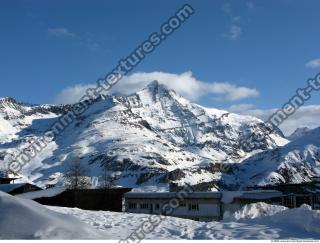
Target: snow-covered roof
{"points": [[51, 192], [10, 187], [173, 195]]}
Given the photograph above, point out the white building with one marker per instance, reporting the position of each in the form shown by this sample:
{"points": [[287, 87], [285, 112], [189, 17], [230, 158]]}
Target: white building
{"points": [[196, 205], [204, 206]]}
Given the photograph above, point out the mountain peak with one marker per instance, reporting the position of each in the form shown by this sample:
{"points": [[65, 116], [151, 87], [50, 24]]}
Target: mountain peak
{"points": [[157, 87], [7, 100], [153, 84], [154, 91]]}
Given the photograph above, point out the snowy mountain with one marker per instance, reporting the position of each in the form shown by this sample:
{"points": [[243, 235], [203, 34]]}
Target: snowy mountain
{"points": [[298, 133], [14, 116], [151, 137], [295, 162]]}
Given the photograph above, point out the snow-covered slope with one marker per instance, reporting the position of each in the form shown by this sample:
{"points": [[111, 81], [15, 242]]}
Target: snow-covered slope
{"points": [[151, 137], [295, 162], [19, 120]]}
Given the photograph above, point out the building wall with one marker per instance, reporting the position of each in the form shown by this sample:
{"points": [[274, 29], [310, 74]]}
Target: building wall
{"points": [[231, 207], [198, 209], [24, 189], [214, 209], [209, 209], [6, 180], [89, 199], [296, 200]]}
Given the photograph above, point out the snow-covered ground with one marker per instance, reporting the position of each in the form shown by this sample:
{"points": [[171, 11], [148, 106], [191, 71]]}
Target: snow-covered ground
{"points": [[257, 221], [26, 219]]}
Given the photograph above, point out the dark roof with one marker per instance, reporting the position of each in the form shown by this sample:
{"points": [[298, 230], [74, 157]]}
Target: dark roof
{"points": [[306, 187], [260, 194], [7, 179]]}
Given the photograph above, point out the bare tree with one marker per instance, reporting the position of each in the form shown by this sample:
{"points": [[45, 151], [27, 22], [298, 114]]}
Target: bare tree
{"points": [[108, 179], [5, 173], [77, 175], [105, 177]]}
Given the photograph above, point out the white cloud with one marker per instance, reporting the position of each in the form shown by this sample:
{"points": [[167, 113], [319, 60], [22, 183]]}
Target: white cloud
{"points": [[226, 7], [234, 32], [60, 32], [232, 92], [250, 5], [306, 116], [313, 63], [184, 84], [87, 39], [235, 27], [72, 94], [236, 19], [238, 108]]}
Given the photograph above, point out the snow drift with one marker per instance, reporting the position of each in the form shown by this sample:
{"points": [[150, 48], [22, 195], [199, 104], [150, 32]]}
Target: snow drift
{"points": [[252, 211], [302, 219], [25, 219]]}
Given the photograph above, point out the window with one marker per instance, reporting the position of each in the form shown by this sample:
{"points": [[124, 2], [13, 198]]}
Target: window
{"points": [[193, 207], [157, 206], [144, 205], [132, 206], [182, 205]]}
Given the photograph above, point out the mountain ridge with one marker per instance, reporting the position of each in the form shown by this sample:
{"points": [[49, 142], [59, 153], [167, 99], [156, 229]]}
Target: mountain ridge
{"points": [[299, 132], [152, 137]]}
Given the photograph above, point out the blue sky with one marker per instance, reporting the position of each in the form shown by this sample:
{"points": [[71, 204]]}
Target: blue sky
{"points": [[47, 46]]}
